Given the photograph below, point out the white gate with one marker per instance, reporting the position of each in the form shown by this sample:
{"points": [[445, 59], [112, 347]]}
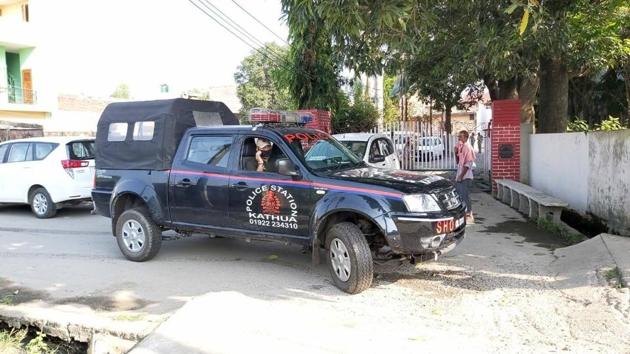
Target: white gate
{"points": [[484, 157], [421, 145]]}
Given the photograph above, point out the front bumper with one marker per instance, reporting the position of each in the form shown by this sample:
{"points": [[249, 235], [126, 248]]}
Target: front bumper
{"points": [[412, 235]]}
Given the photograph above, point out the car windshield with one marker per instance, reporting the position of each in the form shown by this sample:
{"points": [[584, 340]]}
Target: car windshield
{"points": [[357, 147], [320, 151]]}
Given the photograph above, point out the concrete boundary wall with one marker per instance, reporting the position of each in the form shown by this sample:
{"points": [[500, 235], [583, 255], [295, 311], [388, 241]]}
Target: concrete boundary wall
{"points": [[558, 166], [590, 171], [609, 178]]}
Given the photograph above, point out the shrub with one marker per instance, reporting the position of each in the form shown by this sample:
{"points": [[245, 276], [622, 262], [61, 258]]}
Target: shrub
{"points": [[361, 116]]}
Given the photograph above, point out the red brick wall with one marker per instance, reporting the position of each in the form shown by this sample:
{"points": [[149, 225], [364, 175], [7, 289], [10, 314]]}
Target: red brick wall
{"points": [[506, 129]]}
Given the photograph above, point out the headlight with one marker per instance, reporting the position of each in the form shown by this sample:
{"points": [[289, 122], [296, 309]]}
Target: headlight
{"points": [[421, 203]]}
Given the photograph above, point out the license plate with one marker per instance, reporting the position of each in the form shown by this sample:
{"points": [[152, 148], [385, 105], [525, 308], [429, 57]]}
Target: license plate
{"points": [[447, 226]]}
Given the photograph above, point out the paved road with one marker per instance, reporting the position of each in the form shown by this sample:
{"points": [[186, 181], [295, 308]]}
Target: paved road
{"points": [[503, 289]]}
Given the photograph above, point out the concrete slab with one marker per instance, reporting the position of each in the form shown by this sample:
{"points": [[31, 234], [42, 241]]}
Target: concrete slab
{"points": [[619, 248], [579, 265]]}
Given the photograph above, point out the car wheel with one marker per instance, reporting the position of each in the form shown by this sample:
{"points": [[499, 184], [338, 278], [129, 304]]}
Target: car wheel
{"points": [[349, 258], [138, 237], [42, 204]]}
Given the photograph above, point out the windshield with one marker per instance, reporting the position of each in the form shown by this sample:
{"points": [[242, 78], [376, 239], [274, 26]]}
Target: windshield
{"points": [[357, 147], [321, 152]]}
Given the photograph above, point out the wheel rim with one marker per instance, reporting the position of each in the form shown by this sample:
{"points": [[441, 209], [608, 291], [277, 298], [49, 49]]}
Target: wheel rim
{"points": [[40, 204], [340, 260], [133, 236]]}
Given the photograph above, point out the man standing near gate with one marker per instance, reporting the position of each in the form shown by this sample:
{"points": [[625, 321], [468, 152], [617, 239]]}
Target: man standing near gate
{"points": [[464, 177]]}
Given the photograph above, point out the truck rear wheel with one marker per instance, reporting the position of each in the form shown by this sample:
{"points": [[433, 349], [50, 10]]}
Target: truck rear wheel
{"points": [[138, 237], [349, 258]]}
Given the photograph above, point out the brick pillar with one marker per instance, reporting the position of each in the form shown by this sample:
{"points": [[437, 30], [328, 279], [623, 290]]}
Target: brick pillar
{"points": [[506, 140]]}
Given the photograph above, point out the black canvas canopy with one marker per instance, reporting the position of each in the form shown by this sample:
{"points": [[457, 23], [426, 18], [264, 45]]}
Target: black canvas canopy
{"points": [[145, 134]]}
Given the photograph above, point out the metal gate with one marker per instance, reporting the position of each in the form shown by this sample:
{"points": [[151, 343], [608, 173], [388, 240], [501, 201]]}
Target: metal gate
{"points": [[421, 145], [484, 157]]}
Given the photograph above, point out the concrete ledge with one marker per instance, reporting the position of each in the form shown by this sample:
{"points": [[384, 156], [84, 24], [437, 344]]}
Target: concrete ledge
{"points": [[72, 324]]}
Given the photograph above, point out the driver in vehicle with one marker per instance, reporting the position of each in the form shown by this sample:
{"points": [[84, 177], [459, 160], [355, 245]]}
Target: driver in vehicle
{"points": [[263, 151]]}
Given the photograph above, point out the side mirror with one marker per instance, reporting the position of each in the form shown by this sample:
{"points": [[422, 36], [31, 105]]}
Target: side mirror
{"points": [[286, 167], [377, 158]]}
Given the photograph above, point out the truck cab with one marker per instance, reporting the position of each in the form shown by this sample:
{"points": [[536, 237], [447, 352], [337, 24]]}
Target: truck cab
{"points": [[269, 181]]}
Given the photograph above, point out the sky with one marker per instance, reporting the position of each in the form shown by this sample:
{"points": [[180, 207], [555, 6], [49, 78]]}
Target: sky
{"points": [[94, 45]]}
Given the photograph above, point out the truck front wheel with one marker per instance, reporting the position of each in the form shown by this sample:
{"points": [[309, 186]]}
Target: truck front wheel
{"points": [[349, 258], [138, 237]]}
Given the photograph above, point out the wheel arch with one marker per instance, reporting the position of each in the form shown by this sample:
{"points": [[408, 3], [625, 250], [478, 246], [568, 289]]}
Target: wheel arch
{"points": [[371, 227], [32, 189], [138, 197]]}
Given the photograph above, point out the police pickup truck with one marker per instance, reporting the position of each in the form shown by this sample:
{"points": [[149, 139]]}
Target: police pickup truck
{"points": [[188, 166]]}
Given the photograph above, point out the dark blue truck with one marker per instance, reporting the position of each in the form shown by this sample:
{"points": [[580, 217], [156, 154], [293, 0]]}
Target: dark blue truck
{"points": [[188, 166]]}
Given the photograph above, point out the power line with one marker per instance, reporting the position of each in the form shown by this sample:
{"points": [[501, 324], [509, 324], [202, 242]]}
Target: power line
{"points": [[257, 20], [230, 22], [285, 64]]}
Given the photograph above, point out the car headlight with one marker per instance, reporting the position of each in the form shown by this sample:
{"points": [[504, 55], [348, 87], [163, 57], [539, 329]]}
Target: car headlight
{"points": [[421, 203]]}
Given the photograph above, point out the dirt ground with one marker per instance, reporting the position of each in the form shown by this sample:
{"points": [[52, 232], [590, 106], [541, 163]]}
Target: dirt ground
{"points": [[508, 287]]}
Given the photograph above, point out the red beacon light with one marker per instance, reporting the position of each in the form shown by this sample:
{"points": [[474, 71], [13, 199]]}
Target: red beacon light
{"points": [[263, 115]]}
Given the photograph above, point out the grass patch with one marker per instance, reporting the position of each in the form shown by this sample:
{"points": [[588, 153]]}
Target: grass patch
{"points": [[17, 342], [130, 317], [569, 238], [614, 277]]}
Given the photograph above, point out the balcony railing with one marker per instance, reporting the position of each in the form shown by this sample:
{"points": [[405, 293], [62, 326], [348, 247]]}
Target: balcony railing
{"points": [[17, 95]]}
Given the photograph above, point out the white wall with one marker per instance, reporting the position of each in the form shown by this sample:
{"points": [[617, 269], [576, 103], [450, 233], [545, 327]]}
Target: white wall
{"points": [[559, 166], [609, 178], [590, 171]]}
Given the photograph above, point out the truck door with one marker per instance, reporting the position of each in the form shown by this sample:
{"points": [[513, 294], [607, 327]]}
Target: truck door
{"points": [[199, 181], [267, 201]]}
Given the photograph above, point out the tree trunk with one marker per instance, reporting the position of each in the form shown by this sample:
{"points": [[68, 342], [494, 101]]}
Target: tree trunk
{"points": [[501, 89], [508, 89], [447, 123], [527, 90], [491, 85], [554, 95]]}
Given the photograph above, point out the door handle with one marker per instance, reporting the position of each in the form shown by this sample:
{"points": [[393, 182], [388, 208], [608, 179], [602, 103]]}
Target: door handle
{"points": [[186, 182], [240, 186]]}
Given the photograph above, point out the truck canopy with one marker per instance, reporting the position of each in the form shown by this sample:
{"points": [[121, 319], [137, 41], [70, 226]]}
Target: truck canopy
{"points": [[146, 134]]}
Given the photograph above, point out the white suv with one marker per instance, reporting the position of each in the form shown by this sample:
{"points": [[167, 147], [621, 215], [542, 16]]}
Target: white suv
{"points": [[376, 150], [46, 172]]}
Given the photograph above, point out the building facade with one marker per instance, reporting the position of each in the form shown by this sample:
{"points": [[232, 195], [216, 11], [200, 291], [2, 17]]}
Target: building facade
{"points": [[23, 96]]}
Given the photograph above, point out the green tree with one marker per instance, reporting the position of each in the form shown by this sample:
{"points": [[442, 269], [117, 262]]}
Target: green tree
{"points": [[391, 113], [510, 45], [359, 116], [313, 78], [121, 91], [259, 80], [572, 39]]}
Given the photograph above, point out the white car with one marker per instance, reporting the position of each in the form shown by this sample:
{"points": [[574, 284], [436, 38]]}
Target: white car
{"points": [[46, 173], [430, 148], [376, 150]]}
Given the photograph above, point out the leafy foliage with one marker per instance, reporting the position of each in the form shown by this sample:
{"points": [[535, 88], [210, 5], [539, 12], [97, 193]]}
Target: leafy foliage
{"points": [[313, 73], [360, 116], [121, 91], [444, 46], [259, 80], [578, 125], [610, 124], [390, 103]]}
